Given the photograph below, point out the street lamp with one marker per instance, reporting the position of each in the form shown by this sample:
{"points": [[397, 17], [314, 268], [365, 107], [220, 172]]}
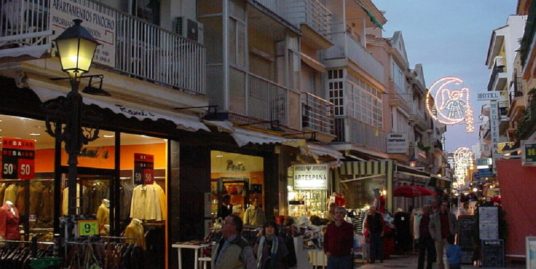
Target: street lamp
{"points": [[76, 48]]}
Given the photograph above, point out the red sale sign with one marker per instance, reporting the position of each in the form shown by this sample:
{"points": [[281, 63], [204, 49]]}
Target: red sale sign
{"points": [[143, 168], [18, 158]]}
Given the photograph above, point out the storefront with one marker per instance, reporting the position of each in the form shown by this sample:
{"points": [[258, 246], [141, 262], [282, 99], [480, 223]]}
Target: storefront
{"points": [[308, 190], [130, 158]]}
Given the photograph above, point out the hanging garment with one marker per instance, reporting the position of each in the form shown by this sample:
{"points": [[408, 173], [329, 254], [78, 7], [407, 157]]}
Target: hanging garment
{"points": [[46, 208], [20, 201], [125, 198], [148, 203], [36, 198], [65, 199], [9, 222]]}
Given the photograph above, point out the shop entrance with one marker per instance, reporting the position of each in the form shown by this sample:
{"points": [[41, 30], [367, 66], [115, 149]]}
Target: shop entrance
{"points": [[93, 199]]}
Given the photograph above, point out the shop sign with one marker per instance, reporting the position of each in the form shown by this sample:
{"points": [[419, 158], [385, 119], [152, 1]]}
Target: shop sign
{"points": [[88, 228], [143, 168], [101, 26], [397, 143], [311, 176], [528, 157], [18, 158]]}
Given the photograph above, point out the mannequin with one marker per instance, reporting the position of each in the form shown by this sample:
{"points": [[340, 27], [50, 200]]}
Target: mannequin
{"points": [[134, 233], [103, 217], [9, 221]]}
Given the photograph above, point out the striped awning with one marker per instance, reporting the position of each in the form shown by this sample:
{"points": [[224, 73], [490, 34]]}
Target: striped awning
{"points": [[358, 170]]}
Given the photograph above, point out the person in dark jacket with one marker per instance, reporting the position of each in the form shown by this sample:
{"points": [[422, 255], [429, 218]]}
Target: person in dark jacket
{"points": [[338, 241], [375, 224], [270, 250]]}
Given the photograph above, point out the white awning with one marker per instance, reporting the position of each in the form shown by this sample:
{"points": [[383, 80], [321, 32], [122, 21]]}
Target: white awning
{"points": [[321, 150], [222, 126], [243, 137], [131, 110]]}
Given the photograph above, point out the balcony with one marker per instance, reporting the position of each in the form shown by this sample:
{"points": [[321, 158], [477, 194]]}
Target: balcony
{"points": [[269, 101], [310, 12], [317, 114], [350, 130], [498, 78], [346, 47], [136, 48]]}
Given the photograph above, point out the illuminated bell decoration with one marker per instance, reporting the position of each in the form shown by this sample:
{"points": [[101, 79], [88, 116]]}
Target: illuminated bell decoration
{"points": [[76, 47], [448, 102]]}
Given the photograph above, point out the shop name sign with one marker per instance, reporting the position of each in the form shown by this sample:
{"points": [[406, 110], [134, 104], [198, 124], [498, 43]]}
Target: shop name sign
{"points": [[311, 176], [18, 158], [101, 26], [397, 143]]}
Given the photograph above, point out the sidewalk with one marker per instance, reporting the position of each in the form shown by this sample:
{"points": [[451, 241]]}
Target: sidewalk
{"points": [[410, 261]]}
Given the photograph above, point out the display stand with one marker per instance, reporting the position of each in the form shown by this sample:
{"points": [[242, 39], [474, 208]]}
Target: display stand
{"points": [[196, 247]]}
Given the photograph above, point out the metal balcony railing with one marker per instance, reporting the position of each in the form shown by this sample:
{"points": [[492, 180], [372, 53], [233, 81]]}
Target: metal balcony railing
{"points": [[142, 49], [346, 47], [317, 114], [310, 12], [350, 130], [267, 100]]}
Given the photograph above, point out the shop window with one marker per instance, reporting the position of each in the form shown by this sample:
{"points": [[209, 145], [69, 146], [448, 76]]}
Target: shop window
{"points": [[28, 173], [238, 176]]}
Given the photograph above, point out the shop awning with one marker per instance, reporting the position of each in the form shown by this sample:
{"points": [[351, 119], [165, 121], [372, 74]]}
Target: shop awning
{"points": [[222, 126], [410, 171], [131, 110], [359, 170], [322, 150], [243, 137]]}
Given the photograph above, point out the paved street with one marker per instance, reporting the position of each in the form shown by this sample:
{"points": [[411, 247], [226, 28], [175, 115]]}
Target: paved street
{"points": [[410, 261]]}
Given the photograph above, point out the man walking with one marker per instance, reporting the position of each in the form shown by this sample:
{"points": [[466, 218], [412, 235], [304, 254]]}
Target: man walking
{"points": [[338, 241], [425, 243], [233, 251], [442, 225], [374, 224]]}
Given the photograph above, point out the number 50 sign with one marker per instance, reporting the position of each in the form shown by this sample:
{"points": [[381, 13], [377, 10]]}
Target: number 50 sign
{"points": [[18, 158]]}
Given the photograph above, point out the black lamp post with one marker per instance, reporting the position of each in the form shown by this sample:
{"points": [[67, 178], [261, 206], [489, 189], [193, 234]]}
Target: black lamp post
{"points": [[76, 48]]}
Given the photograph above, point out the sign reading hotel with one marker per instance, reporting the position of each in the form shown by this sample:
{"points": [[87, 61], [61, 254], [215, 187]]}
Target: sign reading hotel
{"points": [[397, 143], [100, 25], [18, 158], [143, 168], [311, 176]]}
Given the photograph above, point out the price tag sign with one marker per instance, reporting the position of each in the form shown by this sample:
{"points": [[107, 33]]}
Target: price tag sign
{"points": [[88, 227], [143, 168], [18, 158]]}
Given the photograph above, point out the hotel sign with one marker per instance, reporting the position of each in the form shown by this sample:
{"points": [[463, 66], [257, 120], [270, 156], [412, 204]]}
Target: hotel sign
{"points": [[102, 26], [397, 143], [311, 176], [488, 96]]}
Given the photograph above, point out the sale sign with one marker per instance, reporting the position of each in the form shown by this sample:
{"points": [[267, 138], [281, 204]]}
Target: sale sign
{"points": [[18, 158], [143, 168]]}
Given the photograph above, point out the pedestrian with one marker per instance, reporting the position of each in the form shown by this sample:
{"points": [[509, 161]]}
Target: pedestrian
{"points": [[226, 208], [442, 225], [339, 241], [425, 243], [375, 226], [454, 254], [289, 232], [402, 231], [254, 215], [270, 249], [232, 251]]}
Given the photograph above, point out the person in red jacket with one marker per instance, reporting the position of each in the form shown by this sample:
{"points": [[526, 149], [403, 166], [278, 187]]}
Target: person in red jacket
{"points": [[338, 241], [9, 221]]}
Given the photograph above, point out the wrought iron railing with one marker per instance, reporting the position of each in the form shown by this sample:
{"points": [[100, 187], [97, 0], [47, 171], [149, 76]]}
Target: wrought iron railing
{"points": [[142, 49], [317, 114]]}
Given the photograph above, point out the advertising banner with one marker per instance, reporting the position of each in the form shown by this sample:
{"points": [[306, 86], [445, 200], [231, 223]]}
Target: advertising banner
{"points": [[143, 168], [18, 158]]}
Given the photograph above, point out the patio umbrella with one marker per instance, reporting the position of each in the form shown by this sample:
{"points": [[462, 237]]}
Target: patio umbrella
{"points": [[412, 191]]}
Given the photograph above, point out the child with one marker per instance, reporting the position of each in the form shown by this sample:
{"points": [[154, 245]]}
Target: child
{"points": [[454, 254]]}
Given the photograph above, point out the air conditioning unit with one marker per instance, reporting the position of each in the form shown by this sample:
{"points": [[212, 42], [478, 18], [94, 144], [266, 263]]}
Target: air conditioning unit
{"points": [[189, 29]]}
